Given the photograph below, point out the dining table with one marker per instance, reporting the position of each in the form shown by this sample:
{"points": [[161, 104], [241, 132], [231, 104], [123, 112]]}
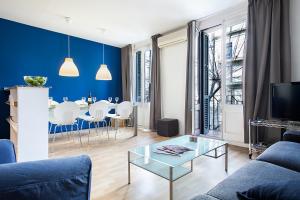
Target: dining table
{"points": [[84, 109]]}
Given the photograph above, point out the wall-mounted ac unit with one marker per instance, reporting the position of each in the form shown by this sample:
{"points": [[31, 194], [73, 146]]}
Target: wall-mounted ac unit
{"points": [[172, 38]]}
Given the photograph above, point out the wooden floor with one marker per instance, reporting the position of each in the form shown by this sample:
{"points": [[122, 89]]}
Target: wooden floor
{"points": [[109, 173]]}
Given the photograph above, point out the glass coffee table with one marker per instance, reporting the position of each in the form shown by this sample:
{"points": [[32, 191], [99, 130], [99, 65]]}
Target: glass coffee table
{"points": [[172, 167]]}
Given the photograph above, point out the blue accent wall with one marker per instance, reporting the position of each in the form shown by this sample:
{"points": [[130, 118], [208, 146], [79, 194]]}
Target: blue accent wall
{"points": [[26, 50]]}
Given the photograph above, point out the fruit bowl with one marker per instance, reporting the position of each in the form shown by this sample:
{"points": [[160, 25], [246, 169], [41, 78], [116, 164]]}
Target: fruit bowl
{"points": [[35, 81]]}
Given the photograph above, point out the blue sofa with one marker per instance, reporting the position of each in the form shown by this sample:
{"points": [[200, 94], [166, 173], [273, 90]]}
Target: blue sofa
{"points": [[280, 162], [59, 179]]}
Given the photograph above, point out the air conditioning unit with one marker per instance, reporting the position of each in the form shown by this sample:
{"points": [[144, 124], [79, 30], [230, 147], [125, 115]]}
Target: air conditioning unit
{"points": [[172, 38]]}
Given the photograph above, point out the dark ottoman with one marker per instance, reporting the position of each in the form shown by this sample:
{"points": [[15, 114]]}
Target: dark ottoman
{"points": [[167, 127]]}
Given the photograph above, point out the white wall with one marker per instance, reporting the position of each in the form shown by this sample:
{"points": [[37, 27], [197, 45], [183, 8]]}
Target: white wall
{"points": [[173, 81], [173, 69], [295, 38]]}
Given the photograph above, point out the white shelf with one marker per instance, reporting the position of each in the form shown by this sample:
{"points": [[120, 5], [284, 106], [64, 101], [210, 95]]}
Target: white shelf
{"points": [[29, 122]]}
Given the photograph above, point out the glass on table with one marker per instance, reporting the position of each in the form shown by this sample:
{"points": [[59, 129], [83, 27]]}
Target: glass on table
{"points": [[65, 99], [116, 99], [83, 99], [110, 99], [50, 101], [94, 99]]}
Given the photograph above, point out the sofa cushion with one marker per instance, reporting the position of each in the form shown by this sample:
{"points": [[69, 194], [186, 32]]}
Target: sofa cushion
{"points": [[285, 154], [7, 152], [283, 190], [59, 179], [253, 174], [292, 136]]}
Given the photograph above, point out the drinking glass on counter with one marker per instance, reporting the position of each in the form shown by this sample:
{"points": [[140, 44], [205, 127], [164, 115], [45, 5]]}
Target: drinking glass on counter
{"points": [[65, 99], [116, 99], [94, 99], [110, 99], [50, 101]]}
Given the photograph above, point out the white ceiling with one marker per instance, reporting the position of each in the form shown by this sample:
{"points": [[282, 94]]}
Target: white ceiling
{"points": [[124, 21]]}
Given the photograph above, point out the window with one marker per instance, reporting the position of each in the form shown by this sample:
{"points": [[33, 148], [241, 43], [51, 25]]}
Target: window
{"points": [[138, 78], [142, 75], [214, 74], [147, 75], [210, 81], [235, 47], [219, 75]]}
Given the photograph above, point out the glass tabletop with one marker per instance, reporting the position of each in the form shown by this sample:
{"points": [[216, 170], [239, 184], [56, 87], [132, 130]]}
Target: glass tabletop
{"points": [[199, 147]]}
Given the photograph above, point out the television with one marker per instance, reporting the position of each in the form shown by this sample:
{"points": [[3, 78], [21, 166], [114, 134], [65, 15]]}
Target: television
{"points": [[285, 101]]}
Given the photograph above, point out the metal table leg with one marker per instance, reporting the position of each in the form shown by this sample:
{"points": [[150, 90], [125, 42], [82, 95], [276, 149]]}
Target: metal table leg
{"points": [[216, 153], [79, 133], [250, 148], [135, 124], [116, 127], [128, 167], [226, 157], [171, 183]]}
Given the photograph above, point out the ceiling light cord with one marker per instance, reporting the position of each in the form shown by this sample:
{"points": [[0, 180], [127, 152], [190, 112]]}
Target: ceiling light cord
{"points": [[103, 53], [69, 49]]}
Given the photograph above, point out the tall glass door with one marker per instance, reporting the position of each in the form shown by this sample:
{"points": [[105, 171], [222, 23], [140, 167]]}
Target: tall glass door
{"points": [[141, 86], [210, 82], [219, 90], [235, 40]]}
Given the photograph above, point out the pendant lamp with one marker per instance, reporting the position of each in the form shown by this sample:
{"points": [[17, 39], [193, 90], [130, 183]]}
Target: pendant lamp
{"points": [[103, 72], [68, 68]]}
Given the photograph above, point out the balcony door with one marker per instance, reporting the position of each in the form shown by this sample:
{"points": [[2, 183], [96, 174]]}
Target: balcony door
{"points": [[210, 82], [142, 84], [219, 81], [235, 38]]}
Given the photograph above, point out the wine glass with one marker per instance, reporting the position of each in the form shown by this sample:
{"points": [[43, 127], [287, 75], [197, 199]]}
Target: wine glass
{"points": [[94, 99], [50, 100], [65, 99], [83, 99], [116, 99], [110, 99]]}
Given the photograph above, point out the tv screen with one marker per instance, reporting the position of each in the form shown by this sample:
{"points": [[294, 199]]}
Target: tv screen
{"points": [[285, 101]]}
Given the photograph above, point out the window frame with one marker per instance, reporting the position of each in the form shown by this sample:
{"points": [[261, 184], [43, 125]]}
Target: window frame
{"points": [[147, 99], [138, 98], [142, 50], [229, 23], [242, 17]]}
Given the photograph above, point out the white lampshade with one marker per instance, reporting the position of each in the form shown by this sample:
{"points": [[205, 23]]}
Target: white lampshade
{"points": [[68, 68], [103, 73]]}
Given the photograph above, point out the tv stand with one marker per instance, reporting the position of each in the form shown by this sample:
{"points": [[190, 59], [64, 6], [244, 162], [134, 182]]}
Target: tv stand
{"points": [[255, 146]]}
